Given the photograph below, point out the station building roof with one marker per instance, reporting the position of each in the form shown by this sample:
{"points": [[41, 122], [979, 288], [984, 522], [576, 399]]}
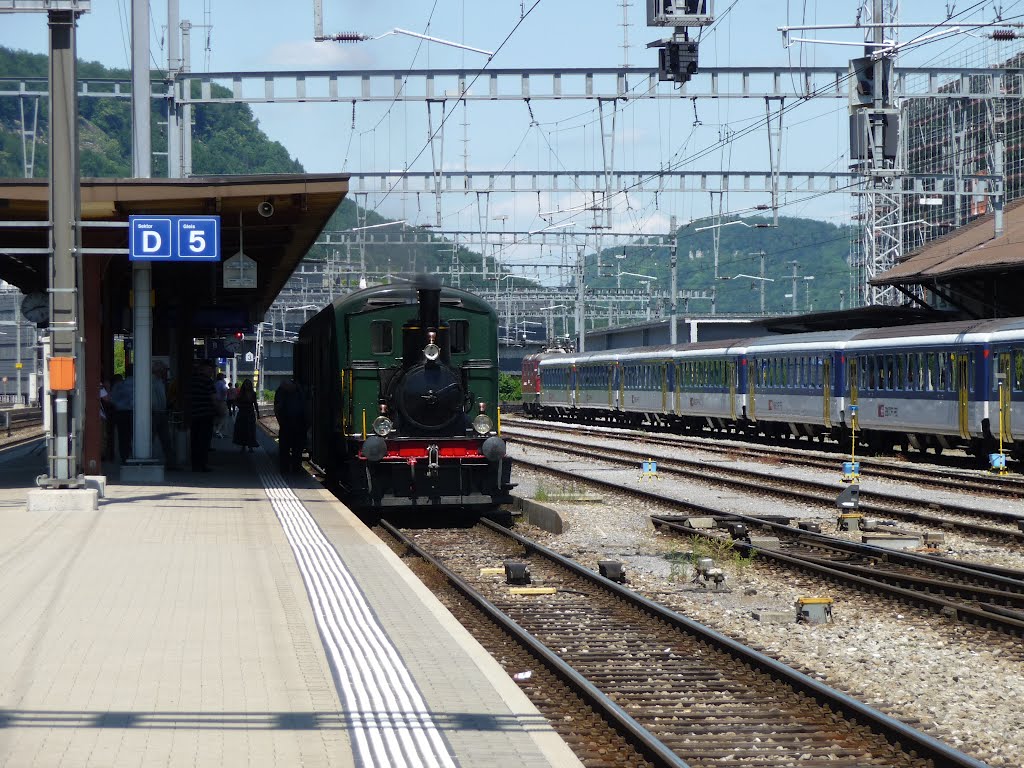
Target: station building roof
{"points": [[970, 267], [302, 205]]}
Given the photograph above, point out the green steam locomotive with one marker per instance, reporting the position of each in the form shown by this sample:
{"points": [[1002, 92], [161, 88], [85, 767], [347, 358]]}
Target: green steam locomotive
{"points": [[402, 385]]}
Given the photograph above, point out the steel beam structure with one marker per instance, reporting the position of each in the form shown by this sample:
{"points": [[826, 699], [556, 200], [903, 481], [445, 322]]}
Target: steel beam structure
{"points": [[881, 204], [652, 181], [608, 83], [461, 237]]}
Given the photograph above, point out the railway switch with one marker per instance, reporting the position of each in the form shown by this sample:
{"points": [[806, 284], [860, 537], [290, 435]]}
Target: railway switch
{"points": [[849, 499], [849, 521], [706, 570], [868, 524], [814, 610], [997, 463], [738, 530], [649, 470], [612, 570], [516, 572], [810, 527]]}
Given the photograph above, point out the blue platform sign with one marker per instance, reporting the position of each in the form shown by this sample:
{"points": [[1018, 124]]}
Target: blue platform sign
{"points": [[174, 238]]}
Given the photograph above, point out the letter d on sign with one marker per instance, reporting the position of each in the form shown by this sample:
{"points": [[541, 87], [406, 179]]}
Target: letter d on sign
{"points": [[151, 241]]}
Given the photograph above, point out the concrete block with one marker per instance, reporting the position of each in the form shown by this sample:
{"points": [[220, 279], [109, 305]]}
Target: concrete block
{"points": [[537, 514], [892, 541], [934, 538], [63, 500], [774, 617], [765, 542], [700, 522], [99, 482]]}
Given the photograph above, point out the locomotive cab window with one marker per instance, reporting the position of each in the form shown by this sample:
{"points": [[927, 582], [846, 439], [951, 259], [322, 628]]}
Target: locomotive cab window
{"points": [[380, 337], [458, 334]]}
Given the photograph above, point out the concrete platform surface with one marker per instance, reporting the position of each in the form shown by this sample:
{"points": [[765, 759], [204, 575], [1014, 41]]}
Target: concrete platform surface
{"points": [[231, 618]]}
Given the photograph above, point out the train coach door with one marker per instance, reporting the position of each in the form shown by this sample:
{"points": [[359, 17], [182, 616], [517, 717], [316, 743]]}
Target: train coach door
{"points": [[664, 387], [616, 378], [753, 371], [826, 380], [851, 379], [731, 374], [962, 380], [1005, 371]]}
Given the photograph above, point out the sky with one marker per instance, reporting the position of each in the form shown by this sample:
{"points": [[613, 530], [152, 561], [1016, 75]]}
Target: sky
{"points": [[266, 35]]}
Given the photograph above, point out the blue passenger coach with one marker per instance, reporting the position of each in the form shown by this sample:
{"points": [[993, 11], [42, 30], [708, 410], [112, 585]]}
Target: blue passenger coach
{"points": [[797, 384], [928, 386]]}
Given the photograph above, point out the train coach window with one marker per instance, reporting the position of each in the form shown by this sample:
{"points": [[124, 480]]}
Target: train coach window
{"points": [[1018, 370], [380, 337], [458, 335], [912, 372], [900, 360]]}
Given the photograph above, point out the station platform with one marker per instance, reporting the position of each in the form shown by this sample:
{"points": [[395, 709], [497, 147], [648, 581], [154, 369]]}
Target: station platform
{"points": [[235, 619]]}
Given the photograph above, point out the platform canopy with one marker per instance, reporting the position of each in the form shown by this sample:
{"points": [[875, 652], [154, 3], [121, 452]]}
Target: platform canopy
{"points": [[970, 268], [276, 219]]}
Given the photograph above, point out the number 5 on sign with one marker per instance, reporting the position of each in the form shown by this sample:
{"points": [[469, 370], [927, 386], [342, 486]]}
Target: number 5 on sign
{"points": [[198, 238], [196, 241]]}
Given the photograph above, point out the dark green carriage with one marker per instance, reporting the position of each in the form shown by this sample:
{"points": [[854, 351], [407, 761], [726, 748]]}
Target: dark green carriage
{"points": [[403, 388]]}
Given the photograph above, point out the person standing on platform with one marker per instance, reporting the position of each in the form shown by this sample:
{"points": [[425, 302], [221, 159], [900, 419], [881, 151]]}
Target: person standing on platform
{"points": [[107, 421], [245, 422], [232, 395], [221, 418], [290, 410], [158, 404], [123, 398], [204, 409]]}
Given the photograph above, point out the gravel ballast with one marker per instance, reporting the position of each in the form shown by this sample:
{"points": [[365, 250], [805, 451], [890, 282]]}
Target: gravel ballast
{"points": [[959, 683]]}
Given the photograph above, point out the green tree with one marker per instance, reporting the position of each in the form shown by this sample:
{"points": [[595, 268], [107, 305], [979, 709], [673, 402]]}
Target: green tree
{"points": [[510, 388]]}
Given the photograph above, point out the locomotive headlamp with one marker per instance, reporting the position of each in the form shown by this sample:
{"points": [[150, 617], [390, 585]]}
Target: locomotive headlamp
{"points": [[431, 351], [383, 426], [482, 424]]}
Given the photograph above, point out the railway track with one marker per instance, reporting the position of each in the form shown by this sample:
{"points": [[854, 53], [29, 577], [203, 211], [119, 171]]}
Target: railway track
{"points": [[802, 490], [678, 692], [966, 593], [950, 478], [974, 593]]}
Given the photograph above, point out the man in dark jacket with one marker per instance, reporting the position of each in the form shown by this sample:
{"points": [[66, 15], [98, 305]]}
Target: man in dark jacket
{"points": [[204, 411], [290, 410]]}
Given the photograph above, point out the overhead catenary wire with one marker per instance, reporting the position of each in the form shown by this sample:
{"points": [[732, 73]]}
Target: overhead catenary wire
{"points": [[476, 77], [686, 155]]}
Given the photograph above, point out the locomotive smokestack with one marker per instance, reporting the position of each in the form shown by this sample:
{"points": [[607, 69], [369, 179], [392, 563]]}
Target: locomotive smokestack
{"points": [[428, 290]]}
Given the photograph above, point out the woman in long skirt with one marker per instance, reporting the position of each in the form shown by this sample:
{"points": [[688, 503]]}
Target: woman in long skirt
{"points": [[245, 422]]}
